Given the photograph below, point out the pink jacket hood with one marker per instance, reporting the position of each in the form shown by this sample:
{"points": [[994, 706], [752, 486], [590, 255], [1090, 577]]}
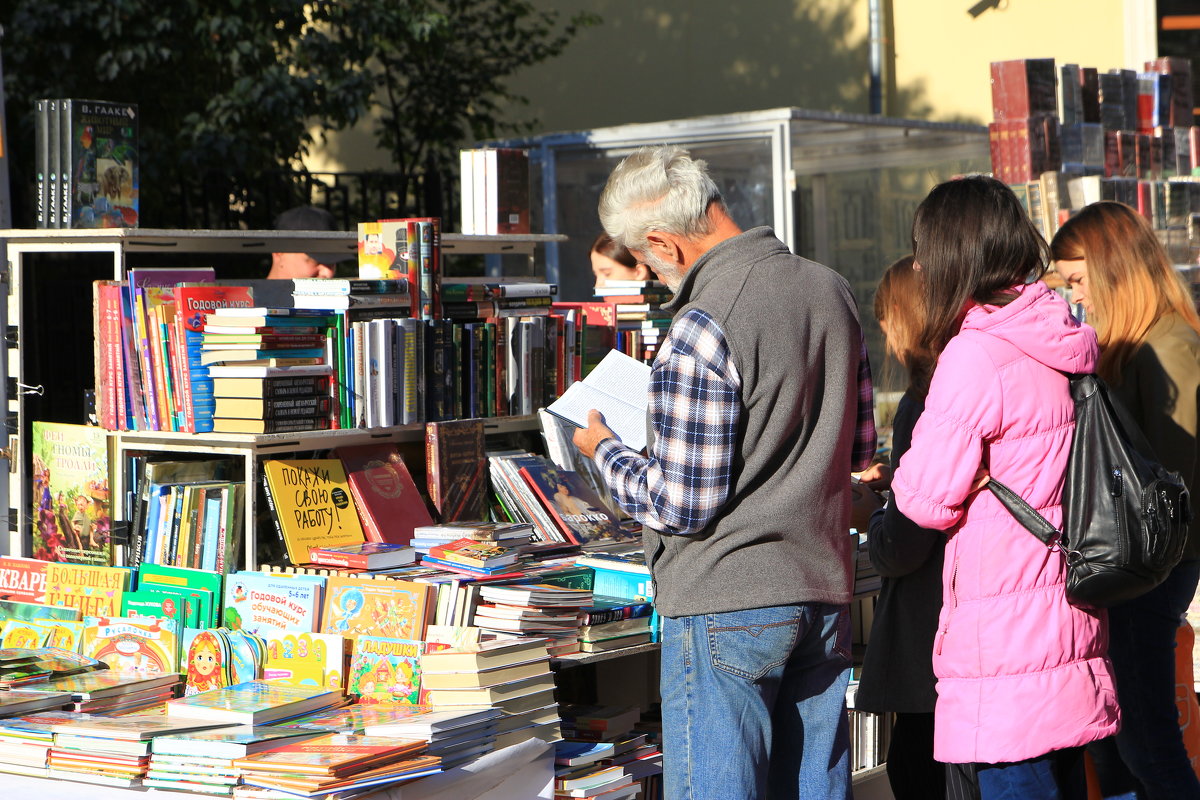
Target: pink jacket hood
{"points": [[1039, 324], [1021, 672]]}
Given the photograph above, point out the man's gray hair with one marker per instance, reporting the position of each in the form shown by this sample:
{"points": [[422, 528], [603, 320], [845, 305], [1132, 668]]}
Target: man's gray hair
{"points": [[657, 189]]}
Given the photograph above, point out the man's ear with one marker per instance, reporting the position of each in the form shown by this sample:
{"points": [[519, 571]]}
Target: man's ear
{"points": [[666, 245]]}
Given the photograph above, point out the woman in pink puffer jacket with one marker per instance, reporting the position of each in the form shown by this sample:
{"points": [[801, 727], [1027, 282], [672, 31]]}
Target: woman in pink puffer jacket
{"points": [[1023, 680]]}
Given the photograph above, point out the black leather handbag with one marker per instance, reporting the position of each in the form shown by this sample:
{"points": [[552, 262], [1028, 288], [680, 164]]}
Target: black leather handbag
{"points": [[1125, 516]]}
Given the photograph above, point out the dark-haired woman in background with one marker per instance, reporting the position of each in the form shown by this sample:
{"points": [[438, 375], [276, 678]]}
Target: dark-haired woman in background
{"points": [[1023, 682], [1149, 335]]}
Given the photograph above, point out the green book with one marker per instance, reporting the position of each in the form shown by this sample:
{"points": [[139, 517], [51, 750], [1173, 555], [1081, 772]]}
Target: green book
{"points": [[207, 584]]}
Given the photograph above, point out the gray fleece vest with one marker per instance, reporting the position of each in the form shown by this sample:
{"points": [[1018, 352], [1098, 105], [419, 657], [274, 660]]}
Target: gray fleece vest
{"points": [[782, 536]]}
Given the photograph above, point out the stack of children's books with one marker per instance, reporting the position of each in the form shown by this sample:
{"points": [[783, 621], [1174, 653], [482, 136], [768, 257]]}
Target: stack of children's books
{"points": [[25, 741], [113, 751], [254, 703], [543, 610], [337, 762], [455, 735], [510, 675], [202, 761]]}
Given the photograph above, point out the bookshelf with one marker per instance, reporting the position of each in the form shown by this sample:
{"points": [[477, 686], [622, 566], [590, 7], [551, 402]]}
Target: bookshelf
{"points": [[115, 246]]}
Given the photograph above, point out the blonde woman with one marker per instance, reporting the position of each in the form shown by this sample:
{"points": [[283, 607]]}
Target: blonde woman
{"points": [[1149, 337]]}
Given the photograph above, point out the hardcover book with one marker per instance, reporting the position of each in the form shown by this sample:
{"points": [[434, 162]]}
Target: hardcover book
{"points": [[579, 514], [388, 501], [369, 555], [94, 591], [225, 743], [305, 659], [99, 181], [71, 494], [257, 603], [252, 703], [394, 608], [133, 644], [310, 504], [110, 683], [386, 670], [471, 553], [456, 470], [23, 579]]}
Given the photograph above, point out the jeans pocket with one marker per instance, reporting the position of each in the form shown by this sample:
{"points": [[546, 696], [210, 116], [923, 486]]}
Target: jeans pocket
{"points": [[752, 643]]}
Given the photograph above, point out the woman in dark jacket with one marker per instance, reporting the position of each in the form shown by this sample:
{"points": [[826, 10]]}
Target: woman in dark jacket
{"points": [[897, 673]]}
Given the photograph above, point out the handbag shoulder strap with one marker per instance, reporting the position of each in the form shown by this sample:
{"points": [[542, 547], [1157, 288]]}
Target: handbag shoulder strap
{"points": [[1025, 514]]}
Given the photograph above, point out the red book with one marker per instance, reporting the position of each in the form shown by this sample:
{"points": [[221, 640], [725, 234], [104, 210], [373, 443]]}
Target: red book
{"points": [[386, 497], [472, 553], [110, 377], [368, 555], [193, 302], [22, 579], [456, 469]]}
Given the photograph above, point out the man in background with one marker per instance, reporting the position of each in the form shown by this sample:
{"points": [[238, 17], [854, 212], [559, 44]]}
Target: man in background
{"points": [[761, 406], [305, 265]]}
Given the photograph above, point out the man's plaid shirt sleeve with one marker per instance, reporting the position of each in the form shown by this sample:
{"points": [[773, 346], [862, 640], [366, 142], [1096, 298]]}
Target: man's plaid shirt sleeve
{"points": [[865, 438], [695, 405]]}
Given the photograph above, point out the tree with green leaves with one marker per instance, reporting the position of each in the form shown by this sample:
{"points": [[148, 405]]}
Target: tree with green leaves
{"points": [[235, 91]]}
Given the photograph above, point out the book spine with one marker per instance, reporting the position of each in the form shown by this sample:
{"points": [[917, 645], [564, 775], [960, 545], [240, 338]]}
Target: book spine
{"points": [[183, 381], [103, 376], [330, 286], [326, 559], [41, 124], [500, 366], [274, 512], [66, 165], [413, 265], [55, 165], [412, 371]]}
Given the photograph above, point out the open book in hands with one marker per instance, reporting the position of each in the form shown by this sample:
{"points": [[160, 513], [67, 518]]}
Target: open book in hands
{"points": [[618, 388]]}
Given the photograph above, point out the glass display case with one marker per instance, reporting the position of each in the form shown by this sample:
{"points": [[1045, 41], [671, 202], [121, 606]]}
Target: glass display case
{"points": [[837, 188]]}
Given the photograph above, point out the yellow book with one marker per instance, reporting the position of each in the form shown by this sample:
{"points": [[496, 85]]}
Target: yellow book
{"points": [[95, 591], [311, 505]]}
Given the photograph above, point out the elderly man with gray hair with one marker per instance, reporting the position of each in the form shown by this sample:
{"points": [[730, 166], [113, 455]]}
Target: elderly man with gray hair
{"points": [[760, 403]]}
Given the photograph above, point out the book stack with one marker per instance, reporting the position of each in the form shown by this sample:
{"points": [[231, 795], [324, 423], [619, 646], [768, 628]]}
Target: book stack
{"points": [[1068, 137], [202, 761], [641, 322], [253, 703], [509, 675], [495, 191], [17, 702], [580, 770], [623, 576], [409, 248], [110, 751], [337, 762], [267, 345], [113, 691], [598, 723], [578, 513], [542, 610], [870, 733], [640, 759], [473, 557], [25, 741], [455, 735], [480, 302], [509, 535]]}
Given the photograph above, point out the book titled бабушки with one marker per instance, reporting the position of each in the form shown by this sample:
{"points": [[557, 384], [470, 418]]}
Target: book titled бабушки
{"points": [[618, 388]]}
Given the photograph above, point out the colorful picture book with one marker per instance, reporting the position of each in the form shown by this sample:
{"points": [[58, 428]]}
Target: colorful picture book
{"points": [[72, 516], [256, 602], [305, 659], [386, 670], [202, 583], [225, 743], [575, 508], [393, 608], [253, 703], [311, 505], [133, 644], [99, 175], [93, 591], [24, 580], [388, 501]]}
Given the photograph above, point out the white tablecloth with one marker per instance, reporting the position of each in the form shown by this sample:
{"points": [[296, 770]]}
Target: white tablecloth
{"points": [[524, 771]]}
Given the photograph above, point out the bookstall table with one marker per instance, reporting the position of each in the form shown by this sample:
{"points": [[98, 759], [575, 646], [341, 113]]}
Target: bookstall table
{"points": [[523, 771]]}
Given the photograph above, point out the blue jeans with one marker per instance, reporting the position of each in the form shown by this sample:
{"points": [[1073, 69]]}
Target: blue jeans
{"points": [[754, 704], [1057, 775], [1141, 636]]}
